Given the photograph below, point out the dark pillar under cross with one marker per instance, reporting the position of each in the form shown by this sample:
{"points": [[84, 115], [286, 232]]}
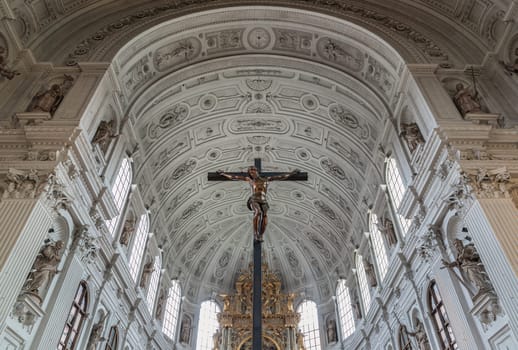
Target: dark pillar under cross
{"points": [[257, 309]]}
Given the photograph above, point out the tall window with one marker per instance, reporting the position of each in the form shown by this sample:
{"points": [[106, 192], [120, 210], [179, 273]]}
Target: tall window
{"points": [[440, 318], [138, 246], [120, 190], [113, 339], [345, 310], [362, 282], [309, 324], [404, 339], [153, 285], [396, 189], [76, 317], [208, 325], [172, 309], [378, 245]]}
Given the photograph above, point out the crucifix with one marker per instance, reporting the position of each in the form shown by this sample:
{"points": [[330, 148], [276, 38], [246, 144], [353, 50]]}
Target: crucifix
{"points": [[257, 202]]}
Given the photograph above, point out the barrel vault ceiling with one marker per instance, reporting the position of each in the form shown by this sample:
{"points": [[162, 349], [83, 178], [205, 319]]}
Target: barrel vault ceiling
{"points": [[209, 85]]}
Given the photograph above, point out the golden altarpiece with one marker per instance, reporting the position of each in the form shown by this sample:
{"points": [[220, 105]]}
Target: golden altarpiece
{"points": [[279, 317]]}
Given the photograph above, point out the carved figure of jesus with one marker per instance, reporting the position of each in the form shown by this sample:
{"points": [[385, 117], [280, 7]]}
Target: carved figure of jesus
{"points": [[257, 200]]}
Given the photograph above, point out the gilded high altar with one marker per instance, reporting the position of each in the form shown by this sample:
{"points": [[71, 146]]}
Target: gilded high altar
{"points": [[279, 317]]}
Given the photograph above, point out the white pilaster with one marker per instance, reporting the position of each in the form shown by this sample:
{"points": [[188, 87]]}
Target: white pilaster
{"points": [[25, 224]]}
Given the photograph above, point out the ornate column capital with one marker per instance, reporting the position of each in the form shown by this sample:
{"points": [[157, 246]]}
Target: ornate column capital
{"points": [[491, 183]]}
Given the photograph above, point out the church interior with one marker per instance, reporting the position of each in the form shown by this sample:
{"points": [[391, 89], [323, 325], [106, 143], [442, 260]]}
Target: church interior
{"points": [[118, 119]]}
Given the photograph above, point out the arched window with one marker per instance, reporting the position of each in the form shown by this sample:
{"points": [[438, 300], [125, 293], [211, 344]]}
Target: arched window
{"points": [[345, 310], [440, 318], [139, 244], [120, 189], [153, 285], [378, 246], [404, 339], [362, 282], [309, 324], [76, 317], [207, 325], [172, 309], [396, 189], [113, 339]]}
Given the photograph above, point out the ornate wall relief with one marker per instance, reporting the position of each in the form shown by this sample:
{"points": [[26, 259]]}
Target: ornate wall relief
{"points": [[176, 54], [50, 96], [340, 53]]}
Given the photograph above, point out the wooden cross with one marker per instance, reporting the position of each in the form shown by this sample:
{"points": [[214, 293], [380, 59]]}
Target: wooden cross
{"points": [[257, 339], [214, 176]]}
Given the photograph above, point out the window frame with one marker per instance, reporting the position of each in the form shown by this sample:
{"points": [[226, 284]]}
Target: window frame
{"points": [[438, 314], [120, 190], [153, 284], [75, 319], [207, 326], [138, 247], [396, 190], [378, 246], [172, 310], [345, 310], [112, 342], [404, 339], [363, 284], [309, 324]]}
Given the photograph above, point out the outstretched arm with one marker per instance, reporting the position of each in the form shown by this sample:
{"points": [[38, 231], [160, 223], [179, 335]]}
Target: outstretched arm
{"points": [[283, 177], [232, 177]]}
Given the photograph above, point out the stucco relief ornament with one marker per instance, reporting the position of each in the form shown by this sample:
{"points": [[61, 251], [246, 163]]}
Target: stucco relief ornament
{"points": [[491, 183], [173, 117], [87, 244], [5, 70], [341, 53], [22, 185], [56, 195], [428, 243], [344, 117]]}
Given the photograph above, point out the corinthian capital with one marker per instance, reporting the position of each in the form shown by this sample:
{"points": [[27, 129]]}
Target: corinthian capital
{"points": [[20, 184], [494, 183]]}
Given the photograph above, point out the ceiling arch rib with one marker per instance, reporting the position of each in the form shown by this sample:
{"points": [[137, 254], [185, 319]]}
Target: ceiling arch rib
{"points": [[324, 115]]}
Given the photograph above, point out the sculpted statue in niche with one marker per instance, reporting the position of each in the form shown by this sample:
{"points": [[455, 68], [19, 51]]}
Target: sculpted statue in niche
{"points": [[355, 304], [44, 269], [146, 274], [331, 331], [5, 71], [97, 332], [127, 232], [471, 267], [160, 304], [371, 274], [387, 229], [412, 135], [420, 336], [185, 330], [48, 100], [104, 134], [465, 101]]}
